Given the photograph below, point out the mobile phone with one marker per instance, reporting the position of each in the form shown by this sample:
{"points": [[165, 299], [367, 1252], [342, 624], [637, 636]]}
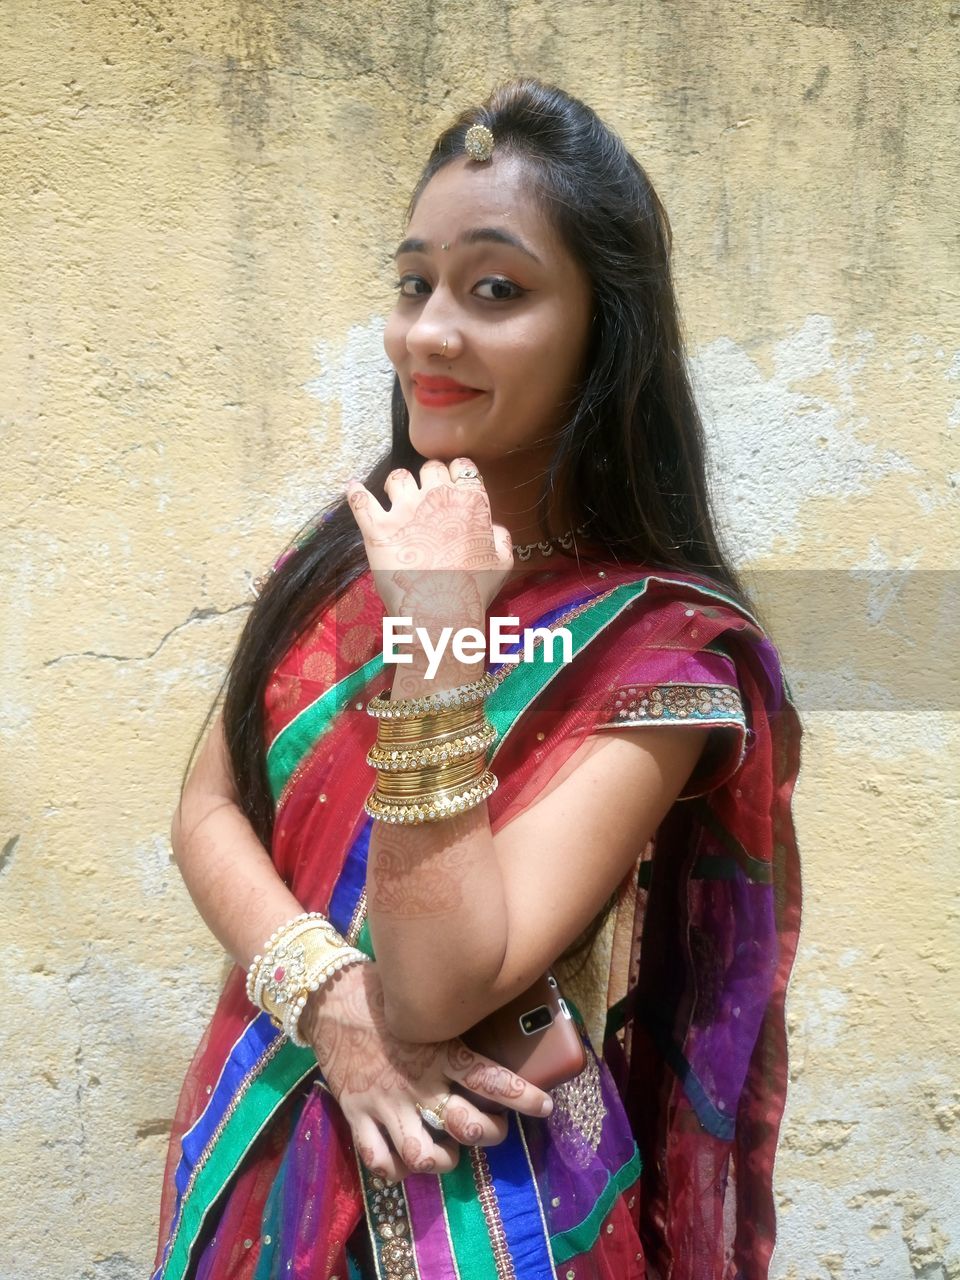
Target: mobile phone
{"points": [[534, 1035]]}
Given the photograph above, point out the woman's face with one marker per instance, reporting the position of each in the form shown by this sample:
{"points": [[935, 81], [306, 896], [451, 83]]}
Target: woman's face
{"points": [[482, 270]]}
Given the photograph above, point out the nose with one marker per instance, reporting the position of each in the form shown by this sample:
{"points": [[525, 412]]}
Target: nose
{"points": [[435, 331]]}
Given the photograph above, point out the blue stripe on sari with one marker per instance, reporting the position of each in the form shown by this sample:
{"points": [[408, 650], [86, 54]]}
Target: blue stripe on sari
{"points": [[351, 881], [246, 1052], [520, 1210], [261, 1032]]}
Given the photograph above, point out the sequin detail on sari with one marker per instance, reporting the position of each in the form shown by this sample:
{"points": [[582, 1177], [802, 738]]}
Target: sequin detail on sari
{"points": [[640, 704], [390, 1229], [579, 1113]]}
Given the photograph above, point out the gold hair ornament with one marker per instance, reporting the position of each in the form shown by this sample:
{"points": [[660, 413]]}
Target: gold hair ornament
{"points": [[478, 143]]}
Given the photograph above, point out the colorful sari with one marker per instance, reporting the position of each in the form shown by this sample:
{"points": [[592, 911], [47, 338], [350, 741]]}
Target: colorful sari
{"points": [[657, 1161]]}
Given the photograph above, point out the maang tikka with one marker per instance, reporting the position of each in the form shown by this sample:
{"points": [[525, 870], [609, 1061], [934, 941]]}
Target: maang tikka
{"points": [[478, 142]]}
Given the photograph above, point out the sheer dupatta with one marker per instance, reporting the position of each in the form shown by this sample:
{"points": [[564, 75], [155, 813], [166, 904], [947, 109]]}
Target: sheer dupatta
{"points": [[686, 986]]}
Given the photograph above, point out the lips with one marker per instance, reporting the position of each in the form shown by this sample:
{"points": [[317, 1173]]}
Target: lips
{"points": [[435, 392]]}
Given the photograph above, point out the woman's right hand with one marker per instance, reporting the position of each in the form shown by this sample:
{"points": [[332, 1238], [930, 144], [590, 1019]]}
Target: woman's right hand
{"points": [[377, 1080]]}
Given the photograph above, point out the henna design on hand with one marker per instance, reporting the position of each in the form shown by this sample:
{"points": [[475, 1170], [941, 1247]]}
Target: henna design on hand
{"points": [[355, 1050], [480, 1074], [448, 530], [460, 1126], [495, 1080], [359, 500], [442, 527], [411, 1153], [369, 1159]]}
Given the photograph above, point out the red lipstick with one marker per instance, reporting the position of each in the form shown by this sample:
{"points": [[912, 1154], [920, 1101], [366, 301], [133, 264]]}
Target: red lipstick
{"points": [[440, 393]]}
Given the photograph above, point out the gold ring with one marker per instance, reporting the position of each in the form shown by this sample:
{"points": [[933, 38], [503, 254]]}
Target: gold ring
{"points": [[443, 349], [433, 1116]]}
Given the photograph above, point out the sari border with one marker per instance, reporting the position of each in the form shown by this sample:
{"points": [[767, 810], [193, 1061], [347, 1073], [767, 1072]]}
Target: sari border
{"points": [[490, 1206], [536, 1188], [362, 1175], [714, 715], [323, 708], [467, 1224], [253, 1029]]}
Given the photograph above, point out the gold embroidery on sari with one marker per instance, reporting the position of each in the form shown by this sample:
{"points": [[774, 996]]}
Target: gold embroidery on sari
{"points": [[359, 915], [390, 1223], [642, 703], [487, 1195], [320, 666]]}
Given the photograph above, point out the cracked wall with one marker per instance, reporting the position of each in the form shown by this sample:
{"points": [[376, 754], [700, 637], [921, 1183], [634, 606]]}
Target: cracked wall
{"points": [[197, 207]]}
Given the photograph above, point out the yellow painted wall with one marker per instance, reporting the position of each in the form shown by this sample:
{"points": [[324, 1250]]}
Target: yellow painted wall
{"points": [[197, 202]]}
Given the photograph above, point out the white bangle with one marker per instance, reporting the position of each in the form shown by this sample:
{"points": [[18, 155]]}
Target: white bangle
{"points": [[294, 1011]]}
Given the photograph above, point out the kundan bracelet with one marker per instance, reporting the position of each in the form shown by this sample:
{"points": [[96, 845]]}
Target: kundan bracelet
{"points": [[297, 960]]}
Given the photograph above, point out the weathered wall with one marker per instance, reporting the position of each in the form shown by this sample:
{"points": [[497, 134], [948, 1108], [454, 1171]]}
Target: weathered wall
{"points": [[197, 204]]}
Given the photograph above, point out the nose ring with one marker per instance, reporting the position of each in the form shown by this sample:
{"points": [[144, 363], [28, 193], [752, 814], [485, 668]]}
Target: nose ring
{"points": [[443, 349]]}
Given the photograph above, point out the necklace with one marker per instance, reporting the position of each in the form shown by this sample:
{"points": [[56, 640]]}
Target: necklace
{"points": [[546, 545]]}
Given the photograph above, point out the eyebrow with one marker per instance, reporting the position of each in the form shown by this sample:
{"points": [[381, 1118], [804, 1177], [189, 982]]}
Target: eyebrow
{"points": [[478, 235]]}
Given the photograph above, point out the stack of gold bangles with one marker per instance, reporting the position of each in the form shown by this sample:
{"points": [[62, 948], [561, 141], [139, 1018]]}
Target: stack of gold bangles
{"points": [[430, 753], [297, 960]]}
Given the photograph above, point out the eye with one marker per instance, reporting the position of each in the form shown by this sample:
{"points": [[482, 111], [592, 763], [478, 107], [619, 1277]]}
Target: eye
{"points": [[500, 289], [412, 287]]}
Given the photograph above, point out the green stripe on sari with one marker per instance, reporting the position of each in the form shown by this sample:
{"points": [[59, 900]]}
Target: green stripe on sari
{"points": [[269, 1084], [300, 736], [468, 1226], [528, 679], [585, 1234]]}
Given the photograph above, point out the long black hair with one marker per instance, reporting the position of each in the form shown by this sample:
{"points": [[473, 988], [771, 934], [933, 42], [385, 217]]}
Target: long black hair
{"points": [[630, 460]]}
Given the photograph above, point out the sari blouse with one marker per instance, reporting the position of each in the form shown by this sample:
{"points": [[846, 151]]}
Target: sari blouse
{"points": [[657, 1160]]}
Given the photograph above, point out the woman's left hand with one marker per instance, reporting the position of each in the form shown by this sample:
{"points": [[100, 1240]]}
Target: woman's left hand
{"points": [[442, 523], [378, 1081]]}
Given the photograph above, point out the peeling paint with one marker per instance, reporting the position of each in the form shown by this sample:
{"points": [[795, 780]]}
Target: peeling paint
{"points": [[776, 445]]}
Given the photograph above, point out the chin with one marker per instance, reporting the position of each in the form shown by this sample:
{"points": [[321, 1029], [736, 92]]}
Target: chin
{"points": [[440, 440]]}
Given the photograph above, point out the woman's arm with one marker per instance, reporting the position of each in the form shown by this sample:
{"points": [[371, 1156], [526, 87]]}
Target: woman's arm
{"points": [[463, 920], [230, 876], [376, 1077]]}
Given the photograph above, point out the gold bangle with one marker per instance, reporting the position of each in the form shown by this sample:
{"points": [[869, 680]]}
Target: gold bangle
{"points": [[434, 752], [432, 808], [425, 728], [271, 971], [416, 782], [383, 707]]}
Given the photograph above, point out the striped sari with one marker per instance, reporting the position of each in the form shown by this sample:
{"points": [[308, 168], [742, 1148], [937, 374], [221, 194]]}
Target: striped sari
{"points": [[657, 1161]]}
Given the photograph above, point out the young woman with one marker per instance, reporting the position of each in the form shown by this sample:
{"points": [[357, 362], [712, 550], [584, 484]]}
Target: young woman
{"points": [[622, 818]]}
